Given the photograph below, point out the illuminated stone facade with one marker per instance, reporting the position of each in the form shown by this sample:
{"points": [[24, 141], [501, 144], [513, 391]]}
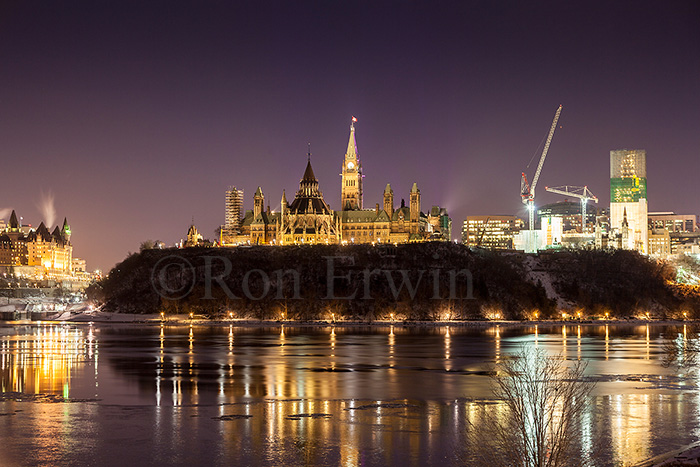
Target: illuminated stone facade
{"points": [[51, 252], [309, 219], [194, 238]]}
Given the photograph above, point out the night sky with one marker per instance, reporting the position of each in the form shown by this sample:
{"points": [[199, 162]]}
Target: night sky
{"points": [[137, 116]]}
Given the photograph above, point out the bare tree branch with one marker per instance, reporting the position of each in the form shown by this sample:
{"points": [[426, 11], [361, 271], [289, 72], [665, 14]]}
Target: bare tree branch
{"points": [[537, 420]]}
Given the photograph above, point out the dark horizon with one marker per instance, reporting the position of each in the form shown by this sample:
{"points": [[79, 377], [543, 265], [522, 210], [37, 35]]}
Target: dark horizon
{"points": [[137, 117]]}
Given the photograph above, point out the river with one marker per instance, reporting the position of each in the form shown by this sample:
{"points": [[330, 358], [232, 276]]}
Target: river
{"points": [[335, 395]]}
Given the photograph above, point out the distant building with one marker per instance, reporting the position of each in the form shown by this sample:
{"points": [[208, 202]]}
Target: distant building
{"points": [[194, 238], [628, 197], [79, 265], [13, 244], [570, 212], [685, 242], [606, 237], [673, 222], [492, 232], [309, 219], [440, 222], [659, 243], [233, 212], [50, 249], [49, 252]]}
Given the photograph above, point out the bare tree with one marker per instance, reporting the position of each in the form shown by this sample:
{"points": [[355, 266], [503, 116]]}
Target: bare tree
{"points": [[537, 420]]}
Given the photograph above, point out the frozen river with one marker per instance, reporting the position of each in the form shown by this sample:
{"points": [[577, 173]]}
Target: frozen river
{"points": [[214, 395]]}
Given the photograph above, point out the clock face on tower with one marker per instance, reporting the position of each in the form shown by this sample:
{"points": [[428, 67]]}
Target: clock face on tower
{"points": [[351, 166]]}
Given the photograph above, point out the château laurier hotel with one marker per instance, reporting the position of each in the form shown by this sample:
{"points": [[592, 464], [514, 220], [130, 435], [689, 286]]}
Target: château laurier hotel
{"points": [[308, 219]]}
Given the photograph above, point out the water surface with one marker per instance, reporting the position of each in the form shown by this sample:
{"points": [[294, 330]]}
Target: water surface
{"points": [[232, 395]]}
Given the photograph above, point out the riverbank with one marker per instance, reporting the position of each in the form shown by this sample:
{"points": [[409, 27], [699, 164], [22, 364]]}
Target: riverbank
{"points": [[185, 320]]}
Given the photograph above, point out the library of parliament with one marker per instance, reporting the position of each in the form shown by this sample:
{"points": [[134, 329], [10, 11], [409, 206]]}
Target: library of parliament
{"points": [[308, 219]]}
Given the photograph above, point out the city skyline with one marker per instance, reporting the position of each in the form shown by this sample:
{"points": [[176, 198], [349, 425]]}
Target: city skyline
{"points": [[139, 117]]}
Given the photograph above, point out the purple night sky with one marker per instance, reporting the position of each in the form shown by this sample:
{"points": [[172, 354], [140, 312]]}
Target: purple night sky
{"points": [[137, 116]]}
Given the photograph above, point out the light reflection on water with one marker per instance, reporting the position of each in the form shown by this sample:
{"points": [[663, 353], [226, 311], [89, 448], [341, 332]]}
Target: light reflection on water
{"points": [[317, 396]]}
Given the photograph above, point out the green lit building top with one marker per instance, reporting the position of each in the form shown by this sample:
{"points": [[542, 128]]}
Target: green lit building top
{"points": [[628, 175]]}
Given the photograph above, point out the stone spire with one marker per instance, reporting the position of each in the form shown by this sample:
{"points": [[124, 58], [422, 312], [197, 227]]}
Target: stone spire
{"points": [[352, 144], [309, 173], [65, 230], [308, 186], [14, 223]]}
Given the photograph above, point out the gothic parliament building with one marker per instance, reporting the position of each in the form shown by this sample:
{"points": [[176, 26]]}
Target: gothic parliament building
{"points": [[308, 219]]}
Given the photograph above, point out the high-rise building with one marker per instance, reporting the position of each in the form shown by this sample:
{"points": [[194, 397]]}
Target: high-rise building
{"points": [[628, 196], [234, 208]]}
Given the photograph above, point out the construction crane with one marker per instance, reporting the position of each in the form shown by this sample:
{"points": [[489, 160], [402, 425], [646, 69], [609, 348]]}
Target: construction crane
{"points": [[581, 192], [527, 190]]}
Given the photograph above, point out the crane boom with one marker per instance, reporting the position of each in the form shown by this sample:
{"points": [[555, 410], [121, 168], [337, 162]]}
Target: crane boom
{"points": [[527, 190], [544, 152], [581, 192]]}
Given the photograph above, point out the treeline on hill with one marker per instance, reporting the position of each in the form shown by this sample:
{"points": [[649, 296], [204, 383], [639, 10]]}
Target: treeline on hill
{"points": [[415, 281], [622, 283], [431, 281]]}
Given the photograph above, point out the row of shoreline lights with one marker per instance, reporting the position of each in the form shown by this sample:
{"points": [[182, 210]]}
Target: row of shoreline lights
{"points": [[492, 317]]}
